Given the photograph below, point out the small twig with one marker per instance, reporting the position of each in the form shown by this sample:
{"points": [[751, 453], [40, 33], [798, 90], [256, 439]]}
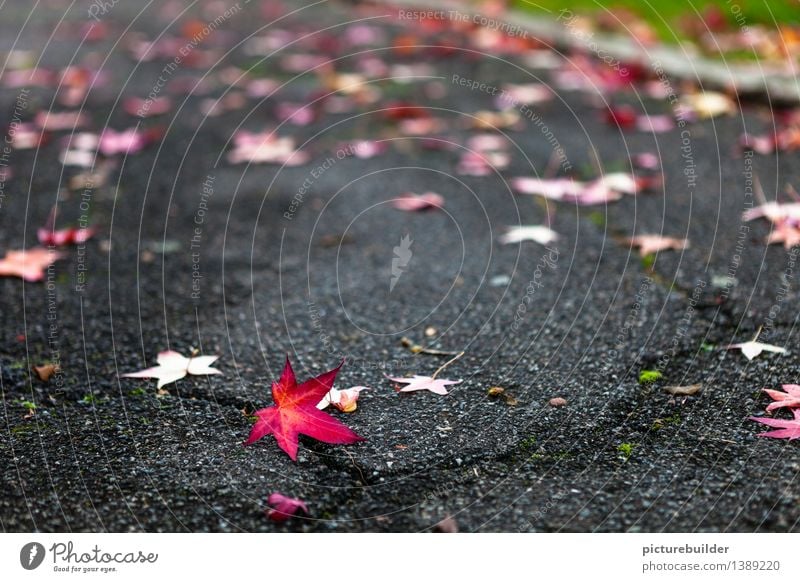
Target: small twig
{"points": [[418, 349], [353, 460], [758, 333], [447, 363]]}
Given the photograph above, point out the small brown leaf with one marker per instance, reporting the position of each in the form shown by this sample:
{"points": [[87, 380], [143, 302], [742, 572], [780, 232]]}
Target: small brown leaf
{"points": [[46, 371], [684, 390], [495, 391]]}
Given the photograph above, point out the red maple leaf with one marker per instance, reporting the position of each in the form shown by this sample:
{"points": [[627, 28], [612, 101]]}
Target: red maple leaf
{"points": [[295, 413]]}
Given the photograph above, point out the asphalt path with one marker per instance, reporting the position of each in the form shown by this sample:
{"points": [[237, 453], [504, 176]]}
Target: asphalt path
{"points": [[195, 252]]}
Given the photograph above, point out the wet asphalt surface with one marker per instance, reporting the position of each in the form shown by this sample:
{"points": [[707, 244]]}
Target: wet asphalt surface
{"points": [[104, 453]]}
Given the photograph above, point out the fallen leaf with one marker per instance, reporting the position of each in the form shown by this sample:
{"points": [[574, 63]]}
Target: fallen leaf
{"points": [[607, 188], [295, 412], [127, 142], [265, 148], [536, 233], [554, 189], [147, 107], [646, 160], [447, 525], [364, 149], [64, 236], [494, 120], [283, 507], [753, 348], [411, 202], [788, 429], [653, 243], [788, 399], [705, 105], [773, 211], [495, 391], [28, 264], [295, 113], [60, 121], [786, 232], [26, 136], [684, 390], [172, 367], [525, 94], [655, 123], [623, 116], [46, 371], [436, 385], [421, 126], [344, 400], [482, 163]]}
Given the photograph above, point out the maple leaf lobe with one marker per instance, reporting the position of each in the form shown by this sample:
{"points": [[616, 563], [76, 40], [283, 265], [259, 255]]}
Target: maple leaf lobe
{"points": [[295, 412]]}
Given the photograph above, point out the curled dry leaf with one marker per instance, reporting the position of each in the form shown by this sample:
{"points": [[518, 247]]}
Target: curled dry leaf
{"points": [[345, 400], [495, 391], [46, 371], [500, 392], [690, 390]]}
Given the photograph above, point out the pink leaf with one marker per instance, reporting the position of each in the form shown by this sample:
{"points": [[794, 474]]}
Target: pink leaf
{"points": [[787, 429], [653, 243], [437, 386], [28, 264], [788, 399], [283, 507], [411, 202]]}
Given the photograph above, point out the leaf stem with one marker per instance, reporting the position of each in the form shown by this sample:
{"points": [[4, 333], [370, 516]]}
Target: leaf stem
{"points": [[447, 363]]}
